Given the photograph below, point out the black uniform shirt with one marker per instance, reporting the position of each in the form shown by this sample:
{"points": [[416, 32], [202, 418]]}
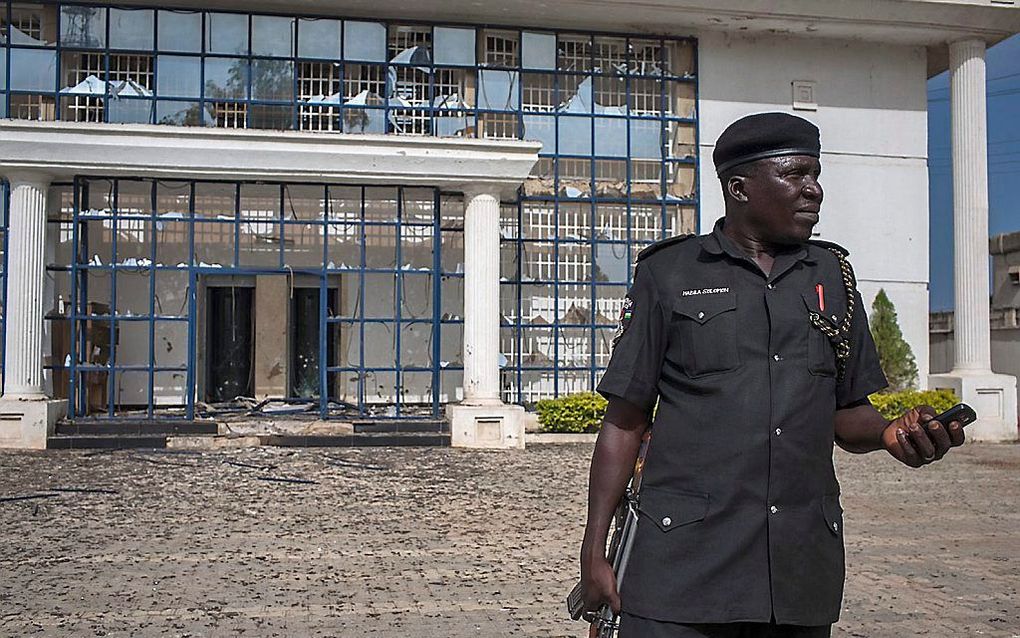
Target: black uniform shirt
{"points": [[740, 513]]}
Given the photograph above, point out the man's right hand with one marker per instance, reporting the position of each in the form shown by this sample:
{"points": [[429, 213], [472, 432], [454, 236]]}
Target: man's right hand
{"points": [[599, 584]]}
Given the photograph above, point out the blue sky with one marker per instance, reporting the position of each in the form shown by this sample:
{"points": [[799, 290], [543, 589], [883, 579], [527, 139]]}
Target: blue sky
{"points": [[1003, 67]]}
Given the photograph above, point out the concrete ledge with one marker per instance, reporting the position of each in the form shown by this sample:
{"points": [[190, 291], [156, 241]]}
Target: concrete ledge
{"points": [[555, 437], [993, 397], [27, 423], [211, 442], [497, 426]]}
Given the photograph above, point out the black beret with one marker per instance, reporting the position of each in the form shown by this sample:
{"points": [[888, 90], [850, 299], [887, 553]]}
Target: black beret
{"points": [[764, 135]]}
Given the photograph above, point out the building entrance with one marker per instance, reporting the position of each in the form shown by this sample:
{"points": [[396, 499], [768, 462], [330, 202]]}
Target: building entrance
{"points": [[344, 299]]}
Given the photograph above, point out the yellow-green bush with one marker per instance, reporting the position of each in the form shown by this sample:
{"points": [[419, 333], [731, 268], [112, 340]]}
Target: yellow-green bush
{"points": [[572, 413], [892, 405]]}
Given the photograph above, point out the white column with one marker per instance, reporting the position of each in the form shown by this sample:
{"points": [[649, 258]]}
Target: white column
{"points": [[482, 420], [993, 396], [26, 269], [970, 205], [481, 298]]}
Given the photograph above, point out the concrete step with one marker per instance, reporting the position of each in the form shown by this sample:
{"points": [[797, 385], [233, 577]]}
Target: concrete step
{"points": [[104, 441], [99, 427], [358, 440], [402, 426]]}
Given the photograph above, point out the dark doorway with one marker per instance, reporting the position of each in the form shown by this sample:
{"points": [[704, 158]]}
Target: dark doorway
{"points": [[305, 341], [229, 343]]}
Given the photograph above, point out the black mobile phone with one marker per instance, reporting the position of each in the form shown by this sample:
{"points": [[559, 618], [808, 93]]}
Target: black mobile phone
{"points": [[960, 412]]}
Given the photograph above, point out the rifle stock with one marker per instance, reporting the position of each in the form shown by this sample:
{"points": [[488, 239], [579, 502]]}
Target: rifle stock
{"points": [[604, 622]]}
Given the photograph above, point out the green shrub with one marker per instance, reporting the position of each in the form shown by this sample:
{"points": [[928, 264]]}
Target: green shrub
{"points": [[572, 413], [892, 405]]}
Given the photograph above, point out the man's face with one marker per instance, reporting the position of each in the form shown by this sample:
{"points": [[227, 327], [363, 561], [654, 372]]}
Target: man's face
{"points": [[784, 197]]}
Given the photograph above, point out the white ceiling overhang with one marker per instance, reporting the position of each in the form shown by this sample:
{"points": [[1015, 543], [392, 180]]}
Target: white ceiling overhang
{"points": [[61, 150]]}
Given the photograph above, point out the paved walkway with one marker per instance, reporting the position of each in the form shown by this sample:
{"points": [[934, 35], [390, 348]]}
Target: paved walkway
{"points": [[438, 542]]}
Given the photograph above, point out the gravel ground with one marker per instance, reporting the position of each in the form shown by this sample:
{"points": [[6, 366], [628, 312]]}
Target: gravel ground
{"points": [[438, 542]]}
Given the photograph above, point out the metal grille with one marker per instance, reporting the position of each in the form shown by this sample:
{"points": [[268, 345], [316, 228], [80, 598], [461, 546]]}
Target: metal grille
{"points": [[318, 81], [141, 254]]}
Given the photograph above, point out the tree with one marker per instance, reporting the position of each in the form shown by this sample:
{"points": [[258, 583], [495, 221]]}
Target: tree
{"points": [[894, 352]]}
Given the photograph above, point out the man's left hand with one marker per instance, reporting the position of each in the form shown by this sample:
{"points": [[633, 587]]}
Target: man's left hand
{"points": [[915, 440]]}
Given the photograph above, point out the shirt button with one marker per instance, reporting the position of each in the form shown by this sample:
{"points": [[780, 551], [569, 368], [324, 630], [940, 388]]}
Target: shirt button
{"points": [[666, 521], [701, 315], [835, 527], [774, 509], [777, 357], [779, 431], [769, 286]]}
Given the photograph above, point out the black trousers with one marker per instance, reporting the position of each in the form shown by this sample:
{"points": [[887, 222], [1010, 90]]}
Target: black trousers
{"points": [[638, 627]]}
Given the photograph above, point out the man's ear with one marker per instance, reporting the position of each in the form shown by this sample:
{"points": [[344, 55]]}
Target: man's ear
{"points": [[736, 188]]}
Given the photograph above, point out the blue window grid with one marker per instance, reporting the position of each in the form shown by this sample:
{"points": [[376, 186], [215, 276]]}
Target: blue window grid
{"points": [[387, 69], [560, 78], [82, 266]]}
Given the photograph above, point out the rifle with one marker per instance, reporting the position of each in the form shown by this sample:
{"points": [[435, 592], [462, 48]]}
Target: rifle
{"points": [[604, 622]]}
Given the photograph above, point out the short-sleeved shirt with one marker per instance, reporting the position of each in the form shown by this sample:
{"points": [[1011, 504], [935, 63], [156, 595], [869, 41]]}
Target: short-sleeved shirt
{"points": [[740, 512]]}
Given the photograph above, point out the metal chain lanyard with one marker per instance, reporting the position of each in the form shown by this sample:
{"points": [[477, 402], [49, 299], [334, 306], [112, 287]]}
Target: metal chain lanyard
{"points": [[839, 336]]}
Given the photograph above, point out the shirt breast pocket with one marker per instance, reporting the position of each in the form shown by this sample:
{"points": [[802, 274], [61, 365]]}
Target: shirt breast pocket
{"points": [[707, 327], [821, 356]]}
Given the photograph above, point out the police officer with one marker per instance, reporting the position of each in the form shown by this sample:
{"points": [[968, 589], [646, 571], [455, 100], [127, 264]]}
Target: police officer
{"points": [[753, 343]]}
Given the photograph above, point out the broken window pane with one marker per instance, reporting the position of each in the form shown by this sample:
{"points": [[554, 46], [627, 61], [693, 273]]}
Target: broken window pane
{"points": [[272, 35], [226, 33], [415, 389], [416, 296], [500, 48], [610, 55], [380, 246], [683, 101], [82, 26], [30, 25], [131, 28], [214, 244], [318, 38], [454, 45], [359, 120], [499, 90], [538, 50], [573, 53], [452, 298], [645, 57], [380, 347], [452, 386], [380, 299], [452, 345], [611, 263], [416, 346], [364, 41], [180, 31], [541, 128], [683, 140]]}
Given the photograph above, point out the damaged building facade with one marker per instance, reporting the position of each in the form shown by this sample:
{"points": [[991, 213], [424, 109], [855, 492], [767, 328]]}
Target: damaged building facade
{"points": [[393, 211]]}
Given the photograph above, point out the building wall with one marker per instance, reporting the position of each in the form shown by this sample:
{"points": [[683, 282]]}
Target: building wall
{"points": [[872, 112]]}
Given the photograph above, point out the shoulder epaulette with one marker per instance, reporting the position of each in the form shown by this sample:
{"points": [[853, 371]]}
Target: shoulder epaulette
{"points": [[825, 244], [659, 245]]}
